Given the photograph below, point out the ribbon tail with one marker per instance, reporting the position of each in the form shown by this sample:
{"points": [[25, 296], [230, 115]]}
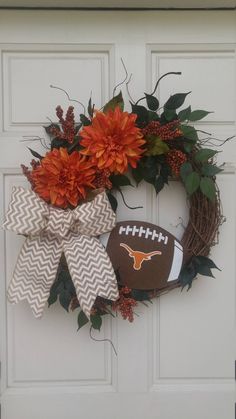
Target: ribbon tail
{"points": [[91, 271], [35, 271]]}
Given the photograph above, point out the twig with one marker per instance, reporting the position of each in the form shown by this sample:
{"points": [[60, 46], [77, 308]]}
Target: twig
{"points": [[157, 83], [102, 340], [29, 138], [211, 140], [127, 89], [69, 98], [122, 82], [123, 199]]}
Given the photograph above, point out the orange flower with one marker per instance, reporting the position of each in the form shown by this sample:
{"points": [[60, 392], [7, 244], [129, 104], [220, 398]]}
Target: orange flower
{"points": [[62, 179], [113, 141]]}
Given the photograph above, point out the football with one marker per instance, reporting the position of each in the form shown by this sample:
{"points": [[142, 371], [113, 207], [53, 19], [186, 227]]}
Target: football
{"points": [[145, 255]]}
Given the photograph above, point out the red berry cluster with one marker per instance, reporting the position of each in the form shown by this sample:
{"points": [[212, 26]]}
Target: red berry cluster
{"points": [[102, 179], [27, 172], [166, 132], [68, 125], [175, 158], [125, 304]]}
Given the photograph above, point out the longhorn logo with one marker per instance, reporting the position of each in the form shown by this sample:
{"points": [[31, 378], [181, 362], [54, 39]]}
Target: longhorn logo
{"points": [[139, 257]]}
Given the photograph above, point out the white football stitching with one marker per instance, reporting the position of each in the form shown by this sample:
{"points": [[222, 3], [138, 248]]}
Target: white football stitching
{"points": [[142, 231]]}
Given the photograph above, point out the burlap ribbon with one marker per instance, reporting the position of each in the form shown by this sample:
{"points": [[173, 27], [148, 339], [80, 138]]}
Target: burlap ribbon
{"points": [[51, 231]]}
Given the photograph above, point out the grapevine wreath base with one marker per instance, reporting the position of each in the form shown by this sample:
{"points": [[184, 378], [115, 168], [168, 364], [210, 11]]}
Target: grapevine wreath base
{"points": [[153, 143]]}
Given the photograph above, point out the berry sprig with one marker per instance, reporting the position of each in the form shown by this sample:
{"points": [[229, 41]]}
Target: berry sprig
{"points": [[102, 179], [166, 132], [125, 304], [68, 131], [175, 159]]}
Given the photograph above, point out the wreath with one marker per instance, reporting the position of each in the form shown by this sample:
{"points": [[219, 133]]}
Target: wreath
{"points": [[110, 149]]}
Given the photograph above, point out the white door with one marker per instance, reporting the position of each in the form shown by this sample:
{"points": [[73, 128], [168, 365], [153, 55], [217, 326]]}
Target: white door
{"points": [[176, 360]]}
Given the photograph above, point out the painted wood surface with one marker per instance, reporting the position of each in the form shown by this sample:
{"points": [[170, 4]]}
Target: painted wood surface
{"points": [[177, 359]]}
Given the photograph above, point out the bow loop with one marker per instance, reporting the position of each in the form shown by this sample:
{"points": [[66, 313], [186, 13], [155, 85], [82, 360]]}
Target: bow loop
{"points": [[27, 213], [52, 231]]}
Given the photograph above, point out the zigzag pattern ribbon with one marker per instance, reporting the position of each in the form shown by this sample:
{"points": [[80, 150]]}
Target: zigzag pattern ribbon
{"points": [[51, 231]]}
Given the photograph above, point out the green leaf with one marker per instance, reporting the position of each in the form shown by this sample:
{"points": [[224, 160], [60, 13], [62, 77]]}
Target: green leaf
{"points": [[204, 260], [189, 133], [184, 114], [75, 145], [90, 108], [137, 174], [52, 298], [120, 180], [176, 101], [204, 270], [197, 115], [65, 299], [185, 170], [96, 321], [56, 287], [192, 182], [187, 275], [60, 287], [150, 179], [188, 147], [35, 154], [113, 201], [142, 114], [170, 114], [152, 116], [85, 121], [159, 184], [58, 143], [165, 172], [82, 320], [205, 154], [77, 128], [65, 277], [210, 169], [156, 146], [152, 102], [64, 274], [150, 169], [69, 286], [114, 102], [208, 188], [140, 295]]}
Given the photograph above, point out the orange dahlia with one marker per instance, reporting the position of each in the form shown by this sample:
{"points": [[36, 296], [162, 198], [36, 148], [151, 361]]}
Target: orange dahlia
{"points": [[62, 179], [113, 141]]}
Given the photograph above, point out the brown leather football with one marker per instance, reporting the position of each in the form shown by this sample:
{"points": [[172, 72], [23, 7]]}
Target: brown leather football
{"points": [[146, 256]]}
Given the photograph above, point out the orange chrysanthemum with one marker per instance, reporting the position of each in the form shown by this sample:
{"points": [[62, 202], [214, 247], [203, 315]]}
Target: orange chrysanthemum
{"points": [[62, 179], [113, 141]]}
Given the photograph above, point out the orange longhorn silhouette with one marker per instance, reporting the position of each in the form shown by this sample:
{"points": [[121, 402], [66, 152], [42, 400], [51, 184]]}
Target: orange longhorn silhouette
{"points": [[139, 257]]}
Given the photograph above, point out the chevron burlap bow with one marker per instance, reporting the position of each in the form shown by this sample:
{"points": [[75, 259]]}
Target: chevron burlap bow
{"points": [[51, 231]]}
